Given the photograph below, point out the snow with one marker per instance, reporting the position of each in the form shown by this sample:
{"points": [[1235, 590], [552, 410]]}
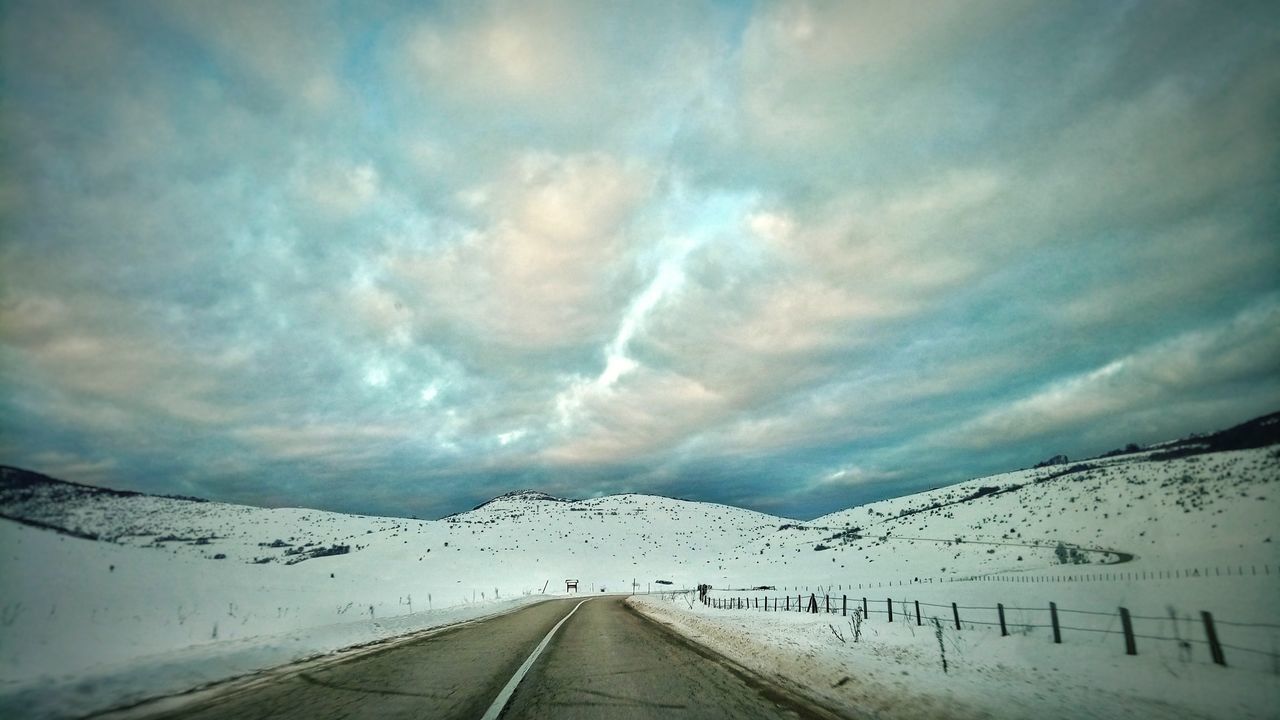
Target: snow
{"points": [[895, 670], [1201, 532], [145, 608], [134, 614], [90, 625]]}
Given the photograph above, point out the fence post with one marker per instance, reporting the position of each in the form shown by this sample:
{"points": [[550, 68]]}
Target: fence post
{"points": [[1215, 647], [788, 608], [813, 603], [865, 615], [956, 612], [844, 606], [918, 612], [827, 599], [1053, 617], [1130, 647], [889, 602], [1000, 609]]}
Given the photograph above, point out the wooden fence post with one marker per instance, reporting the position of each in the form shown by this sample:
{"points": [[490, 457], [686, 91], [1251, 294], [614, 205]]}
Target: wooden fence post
{"points": [[844, 606], [918, 612], [788, 608], [1053, 617], [1215, 647], [1130, 647], [889, 603], [827, 600], [865, 615], [955, 611], [1004, 631], [813, 603]]}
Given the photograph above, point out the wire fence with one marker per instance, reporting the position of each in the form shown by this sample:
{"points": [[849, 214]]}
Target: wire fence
{"points": [[1182, 630], [1083, 574]]}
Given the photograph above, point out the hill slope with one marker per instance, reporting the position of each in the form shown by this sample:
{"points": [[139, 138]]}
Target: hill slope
{"points": [[99, 581]]}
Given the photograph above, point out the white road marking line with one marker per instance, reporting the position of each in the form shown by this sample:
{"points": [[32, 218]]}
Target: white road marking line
{"points": [[504, 697]]}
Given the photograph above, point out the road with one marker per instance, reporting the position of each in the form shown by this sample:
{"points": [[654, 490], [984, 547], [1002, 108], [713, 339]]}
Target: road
{"points": [[604, 661]]}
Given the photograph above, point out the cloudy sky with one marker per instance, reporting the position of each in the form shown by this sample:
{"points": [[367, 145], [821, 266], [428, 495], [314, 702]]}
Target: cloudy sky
{"points": [[397, 258]]}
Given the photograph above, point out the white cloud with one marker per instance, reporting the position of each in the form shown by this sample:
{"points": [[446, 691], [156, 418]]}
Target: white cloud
{"points": [[73, 467], [292, 51], [337, 189], [1206, 361], [337, 444], [853, 475], [818, 75], [646, 411], [549, 268]]}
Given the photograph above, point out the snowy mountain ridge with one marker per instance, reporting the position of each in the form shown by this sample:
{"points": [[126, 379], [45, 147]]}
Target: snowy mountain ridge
{"points": [[212, 530]]}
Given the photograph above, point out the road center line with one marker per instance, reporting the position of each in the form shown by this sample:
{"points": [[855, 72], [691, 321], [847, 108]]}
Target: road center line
{"points": [[504, 697]]}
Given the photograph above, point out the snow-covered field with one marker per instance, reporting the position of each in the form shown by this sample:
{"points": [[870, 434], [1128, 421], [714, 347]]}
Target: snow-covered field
{"points": [[1201, 532], [108, 597], [175, 593], [895, 670]]}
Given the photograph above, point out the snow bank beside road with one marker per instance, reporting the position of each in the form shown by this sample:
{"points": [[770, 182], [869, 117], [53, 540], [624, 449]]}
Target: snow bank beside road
{"points": [[88, 625], [895, 671], [138, 679]]}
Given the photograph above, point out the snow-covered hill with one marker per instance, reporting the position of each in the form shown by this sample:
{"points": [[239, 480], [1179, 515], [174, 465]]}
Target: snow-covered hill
{"points": [[1166, 539], [98, 583]]}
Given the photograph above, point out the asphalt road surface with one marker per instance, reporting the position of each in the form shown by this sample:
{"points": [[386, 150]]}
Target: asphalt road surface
{"points": [[604, 661]]}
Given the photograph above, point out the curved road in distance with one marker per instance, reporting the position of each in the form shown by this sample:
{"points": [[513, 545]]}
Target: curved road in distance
{"points": [[605, 661]]}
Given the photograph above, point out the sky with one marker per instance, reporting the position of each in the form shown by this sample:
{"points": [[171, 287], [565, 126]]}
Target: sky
{"points": [[397, 258]]}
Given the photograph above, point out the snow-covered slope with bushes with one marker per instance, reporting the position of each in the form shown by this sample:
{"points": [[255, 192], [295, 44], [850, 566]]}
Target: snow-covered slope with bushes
{"points": [[100, 583]]}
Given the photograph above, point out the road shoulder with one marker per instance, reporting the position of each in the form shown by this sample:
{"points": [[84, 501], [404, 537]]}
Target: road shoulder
{"points": [[234, 686], [777, 687]]}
